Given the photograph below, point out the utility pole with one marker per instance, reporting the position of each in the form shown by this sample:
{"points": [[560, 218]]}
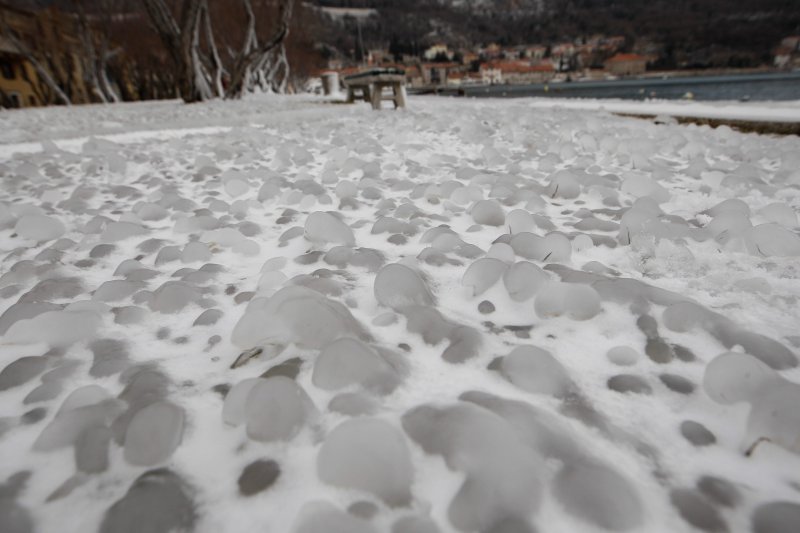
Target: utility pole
{"points": [[360, 41]]}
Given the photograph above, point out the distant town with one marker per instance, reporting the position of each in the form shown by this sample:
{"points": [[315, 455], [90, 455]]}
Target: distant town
{"points": [[597, 58]]}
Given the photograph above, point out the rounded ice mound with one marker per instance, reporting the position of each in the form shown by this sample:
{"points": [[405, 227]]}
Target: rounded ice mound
{"points": [[564, 184], [236, 187], [622, 355], [157, 502], [368, 454], [116, 290], [737, 377], [21, 371], [523, 280], [233, 238], [271, 279], [397, 285], [772, 240], [775, 416], [39, 228], [728, 226], [536, 370], [727, 206], [697, 511], [195, 251], [69, 424], [482, 274], [599, 495], [56, 328], [323, 227], [554, 247], [501, 251], [343, 256], [235, 407], [348, 361], [319, 517], [173, 296], [276, 409], [415, 524], [579, 302], [780, 213], [503, 474], [295, 314], [683, 316], [83, 396], [519, 220], [465, 342], [641, 186], [119, 231], [154, 433], [488, 213], [777, 517]]}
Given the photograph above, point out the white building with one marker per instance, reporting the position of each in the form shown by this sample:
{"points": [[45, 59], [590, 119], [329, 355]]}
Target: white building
{"points": [[436, 50]]}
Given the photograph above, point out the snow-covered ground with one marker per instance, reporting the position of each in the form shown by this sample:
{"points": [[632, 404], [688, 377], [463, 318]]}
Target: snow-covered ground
{"points": [[788, 111], [493, 316]]}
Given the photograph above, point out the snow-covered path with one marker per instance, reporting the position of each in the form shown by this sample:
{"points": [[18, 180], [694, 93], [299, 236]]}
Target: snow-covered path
{"points": [[465, 316]]}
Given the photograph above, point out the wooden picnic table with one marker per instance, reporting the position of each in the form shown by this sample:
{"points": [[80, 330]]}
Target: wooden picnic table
{"points": [[369, 86]]}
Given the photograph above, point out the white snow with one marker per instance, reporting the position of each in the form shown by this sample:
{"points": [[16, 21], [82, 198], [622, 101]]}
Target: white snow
{"points": [[784, 111], [468, 315]]}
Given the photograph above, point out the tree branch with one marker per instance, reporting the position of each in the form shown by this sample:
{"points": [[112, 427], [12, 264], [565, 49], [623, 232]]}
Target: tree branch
{"points": [[247, 58]]}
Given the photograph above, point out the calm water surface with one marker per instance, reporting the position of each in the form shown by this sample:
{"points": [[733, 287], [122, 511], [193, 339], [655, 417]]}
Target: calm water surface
{"points": [[754, 87]]}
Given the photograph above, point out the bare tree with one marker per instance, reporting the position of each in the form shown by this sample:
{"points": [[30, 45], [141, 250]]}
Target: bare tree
{"points": [[216, 66], [97, 52], [190, 41], [181, 39], [254, 55], [272, 72]]}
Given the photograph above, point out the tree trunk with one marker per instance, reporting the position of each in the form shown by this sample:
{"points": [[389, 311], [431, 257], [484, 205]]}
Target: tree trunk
{"points": [[102, 68], [248, 58], [89, 57], [179, 39], [216, 62]]}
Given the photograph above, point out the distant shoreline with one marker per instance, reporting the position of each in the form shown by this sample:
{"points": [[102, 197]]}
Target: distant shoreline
{"points": [[644, 84]]}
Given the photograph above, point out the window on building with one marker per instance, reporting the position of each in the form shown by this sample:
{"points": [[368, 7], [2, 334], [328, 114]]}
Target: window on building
{"points": [[32, 101], [8, 70], [15, 100]]}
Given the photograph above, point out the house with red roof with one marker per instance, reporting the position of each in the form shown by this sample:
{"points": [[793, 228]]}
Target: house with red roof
{"points": [[626, 64], [516, 72]]}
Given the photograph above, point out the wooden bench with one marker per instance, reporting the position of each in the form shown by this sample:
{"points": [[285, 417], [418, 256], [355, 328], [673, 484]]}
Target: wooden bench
{"points": [[369, 86]]}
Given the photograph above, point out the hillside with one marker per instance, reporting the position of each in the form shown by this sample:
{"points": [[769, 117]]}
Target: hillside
{"points": [[680, 32]]}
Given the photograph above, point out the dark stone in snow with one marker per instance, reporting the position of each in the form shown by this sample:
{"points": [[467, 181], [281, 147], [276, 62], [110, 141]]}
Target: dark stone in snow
{"points": [[677, 383], [629, 383], [697, 433], [486, 307], [258, 476]]}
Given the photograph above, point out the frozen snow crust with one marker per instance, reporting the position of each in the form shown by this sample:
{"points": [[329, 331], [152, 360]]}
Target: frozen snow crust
{"points": [[279, 315]]}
